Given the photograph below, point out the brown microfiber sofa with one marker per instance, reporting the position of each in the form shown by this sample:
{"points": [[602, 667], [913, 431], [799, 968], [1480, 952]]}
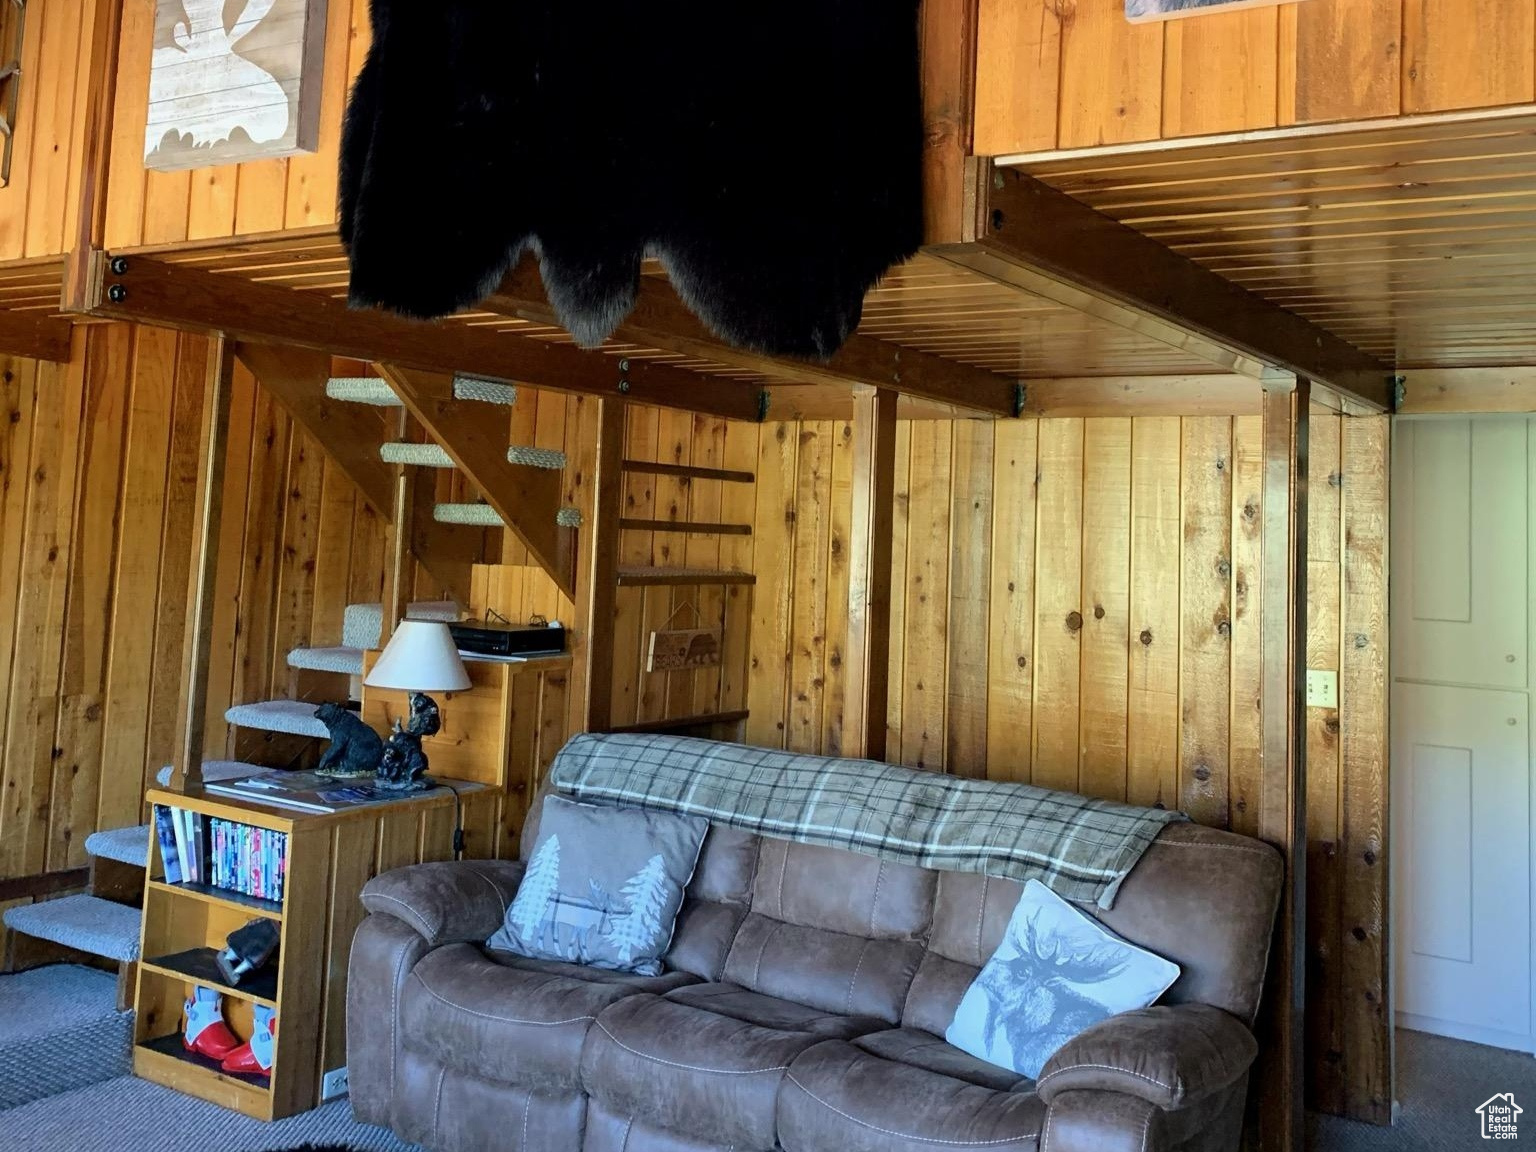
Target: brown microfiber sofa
{"points": [[803, 1007]]}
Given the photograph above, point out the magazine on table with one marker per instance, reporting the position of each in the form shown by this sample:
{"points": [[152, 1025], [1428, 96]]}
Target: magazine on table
{"points": [[307, 791]]}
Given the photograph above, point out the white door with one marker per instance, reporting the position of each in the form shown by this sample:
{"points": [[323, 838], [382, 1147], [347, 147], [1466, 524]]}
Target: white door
{"points": [[1462, 593], [1462, 861]]}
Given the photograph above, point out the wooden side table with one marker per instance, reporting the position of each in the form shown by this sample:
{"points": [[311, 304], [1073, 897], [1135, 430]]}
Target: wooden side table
{"points": [[330, 858]]}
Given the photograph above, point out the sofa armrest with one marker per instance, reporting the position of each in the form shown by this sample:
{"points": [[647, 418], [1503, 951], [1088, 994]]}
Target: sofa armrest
{"points": [[454, 902], [1172, 1056]]}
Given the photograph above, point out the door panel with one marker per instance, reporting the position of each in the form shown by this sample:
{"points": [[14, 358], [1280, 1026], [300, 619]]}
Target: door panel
{"points": [[1462, 857], [1460, 512]]}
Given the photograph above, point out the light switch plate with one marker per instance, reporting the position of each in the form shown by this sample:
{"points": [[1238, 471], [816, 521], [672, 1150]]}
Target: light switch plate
{"points": [[1322, 688]]}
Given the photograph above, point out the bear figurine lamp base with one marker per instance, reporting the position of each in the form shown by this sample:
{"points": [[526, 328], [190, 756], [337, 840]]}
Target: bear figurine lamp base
{"points": [[420, 657]]}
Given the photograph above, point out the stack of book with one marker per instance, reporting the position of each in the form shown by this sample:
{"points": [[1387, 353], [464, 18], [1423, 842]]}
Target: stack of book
{"points": [[200, 849]]}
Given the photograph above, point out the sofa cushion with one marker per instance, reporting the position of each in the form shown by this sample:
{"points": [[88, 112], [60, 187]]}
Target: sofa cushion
{"points": [[840, 1097], [603, 886], [1057, 972], [854, 975], [521, 1025], [711, 1073], [935, 1054]]}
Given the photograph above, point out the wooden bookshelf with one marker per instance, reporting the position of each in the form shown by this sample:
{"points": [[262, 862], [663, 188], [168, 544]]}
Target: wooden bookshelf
{"points": [[330, 858]]}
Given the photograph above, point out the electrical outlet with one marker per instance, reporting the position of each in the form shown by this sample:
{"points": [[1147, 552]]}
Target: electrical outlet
{"points": [[334, 1084], [1322, 688]]}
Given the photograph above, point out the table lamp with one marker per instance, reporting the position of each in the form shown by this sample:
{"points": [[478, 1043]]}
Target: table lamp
{"points": [[420, 657]]}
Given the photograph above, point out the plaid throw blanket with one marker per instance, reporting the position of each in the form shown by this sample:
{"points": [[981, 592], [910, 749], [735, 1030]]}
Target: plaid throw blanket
{"points": [[1081, 848]]}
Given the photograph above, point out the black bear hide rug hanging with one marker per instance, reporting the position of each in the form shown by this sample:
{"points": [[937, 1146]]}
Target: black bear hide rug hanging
{"points": [[768, 154]]}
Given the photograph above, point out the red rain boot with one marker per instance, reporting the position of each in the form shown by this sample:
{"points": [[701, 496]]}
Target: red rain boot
{"points": [[206, 1033], [254, 1058]]}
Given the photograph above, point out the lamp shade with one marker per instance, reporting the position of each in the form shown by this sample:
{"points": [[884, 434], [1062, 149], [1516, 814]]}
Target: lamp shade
{"points": [[420, 657]]}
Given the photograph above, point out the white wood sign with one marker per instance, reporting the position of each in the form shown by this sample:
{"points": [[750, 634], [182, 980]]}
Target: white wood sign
{"points": [[1138, 11], [233, 80]]}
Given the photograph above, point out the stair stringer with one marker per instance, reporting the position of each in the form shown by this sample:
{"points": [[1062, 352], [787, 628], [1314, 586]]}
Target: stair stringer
{"points": [[528, 500]]}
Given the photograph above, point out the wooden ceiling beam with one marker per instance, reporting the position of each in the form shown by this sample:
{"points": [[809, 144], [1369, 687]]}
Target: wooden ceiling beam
{"points": [[35, 337], [526, 499], [1025, 233], [1468, 390], [660, 319], [154, 291]]}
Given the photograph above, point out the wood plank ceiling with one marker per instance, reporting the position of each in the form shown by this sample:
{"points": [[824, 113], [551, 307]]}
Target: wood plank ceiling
{"points": [[1415, 241]]}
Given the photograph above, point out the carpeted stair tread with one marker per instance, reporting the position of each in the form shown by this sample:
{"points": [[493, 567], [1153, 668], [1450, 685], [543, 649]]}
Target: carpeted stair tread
{"points": [[295, 717], [125, 845], [478, 515], [415, 455], [59, 1030], [362, 625], [362, 390], [348, 661], [88, 923], [214, 771]]}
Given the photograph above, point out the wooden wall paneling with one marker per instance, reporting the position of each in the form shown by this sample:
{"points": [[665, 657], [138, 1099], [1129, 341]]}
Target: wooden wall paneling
{"points": [[1283, 801], [311, 177], [124, 221], [523, 428], [298, 561], [839, 576], [1219, 72], [871, 508], [634, 549], [232, 531], [1152, 695], [674, 445], [1340, 60], [1205, 662], [337, 505], [13, 221], [1111, 78], [601, 609], [775, 526], [555, 432], [201, 573], [1324, 972], [739, 553], [178, 544], [1011, 620], [1058, 605], [1442, 39], [926, 614], [263, 544], [971, 541], [1365, 1021], [71, 812], [63, 29], [137, 579], [1245, 731], [39, 620], [808, 600], [584, 419], [901, 504], [947, 31], [1105, 598], [1018, 75]]}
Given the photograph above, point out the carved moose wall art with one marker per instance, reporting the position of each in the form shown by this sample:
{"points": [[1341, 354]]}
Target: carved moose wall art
{"points": [[233, 80]]}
